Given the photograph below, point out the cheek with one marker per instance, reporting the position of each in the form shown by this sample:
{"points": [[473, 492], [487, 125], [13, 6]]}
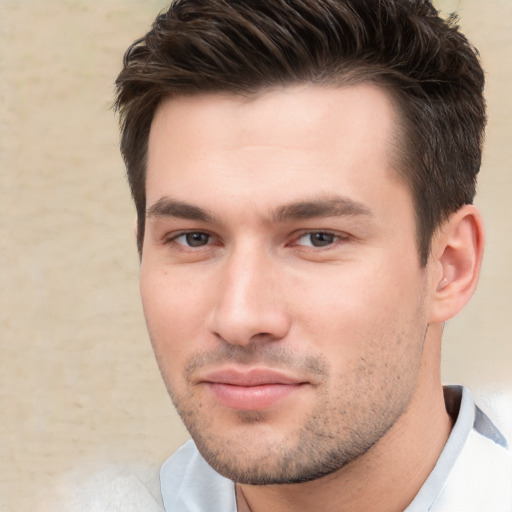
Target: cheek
{"points": [[174, 312], [362, 309]]}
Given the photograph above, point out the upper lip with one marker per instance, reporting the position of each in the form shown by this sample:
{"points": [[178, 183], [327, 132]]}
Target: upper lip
{"points": [[251, 377]]}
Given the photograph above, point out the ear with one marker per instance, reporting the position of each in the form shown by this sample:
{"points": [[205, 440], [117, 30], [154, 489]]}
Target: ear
{"points": [[457, 251]]}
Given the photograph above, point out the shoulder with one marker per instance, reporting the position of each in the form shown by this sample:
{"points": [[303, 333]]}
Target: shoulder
{"points": [[481, 478], [131, 487], [474, 471], [189, 483]]}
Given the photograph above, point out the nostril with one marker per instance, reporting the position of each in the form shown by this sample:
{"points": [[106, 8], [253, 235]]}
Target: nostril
{"points": [[245, 333]]}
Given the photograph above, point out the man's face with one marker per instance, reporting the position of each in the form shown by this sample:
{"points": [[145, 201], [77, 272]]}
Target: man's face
{"points": [[280, 277]]}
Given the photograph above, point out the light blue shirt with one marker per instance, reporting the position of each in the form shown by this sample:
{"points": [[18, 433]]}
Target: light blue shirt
{"points": [[473, 472]]}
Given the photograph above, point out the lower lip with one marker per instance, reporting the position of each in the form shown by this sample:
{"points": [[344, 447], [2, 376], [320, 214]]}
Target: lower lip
{"points": [[251, 398]]}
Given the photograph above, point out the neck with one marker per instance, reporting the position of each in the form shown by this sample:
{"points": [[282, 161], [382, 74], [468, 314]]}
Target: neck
{"points": [[386, 478]]}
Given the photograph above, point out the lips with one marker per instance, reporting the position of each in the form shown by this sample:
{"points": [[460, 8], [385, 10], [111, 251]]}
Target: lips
{"points": [[252, 390]]}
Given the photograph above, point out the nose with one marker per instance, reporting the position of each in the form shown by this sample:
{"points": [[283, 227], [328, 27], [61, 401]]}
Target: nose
{"points": [[249, 303]]}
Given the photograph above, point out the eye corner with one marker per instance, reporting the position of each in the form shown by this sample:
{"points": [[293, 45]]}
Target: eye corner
{"points": [[318, 239], [189, 239]]}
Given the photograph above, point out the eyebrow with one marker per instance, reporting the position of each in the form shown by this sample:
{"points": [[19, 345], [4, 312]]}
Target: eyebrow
{"points": [[167, 207], [322, 207], [332, 206]]}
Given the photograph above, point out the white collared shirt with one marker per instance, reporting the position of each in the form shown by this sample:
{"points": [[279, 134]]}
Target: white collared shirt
{"points": [[473, 472]]}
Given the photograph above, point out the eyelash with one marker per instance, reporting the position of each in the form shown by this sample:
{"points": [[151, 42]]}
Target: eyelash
{"points": [[337, 238], [173, 238]]}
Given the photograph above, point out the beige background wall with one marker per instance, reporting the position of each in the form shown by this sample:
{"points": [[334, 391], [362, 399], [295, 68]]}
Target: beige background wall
{"points": [[80, 393]]}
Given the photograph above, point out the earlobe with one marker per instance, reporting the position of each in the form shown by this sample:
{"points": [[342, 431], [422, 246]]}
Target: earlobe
{"points": [[457, 251]]}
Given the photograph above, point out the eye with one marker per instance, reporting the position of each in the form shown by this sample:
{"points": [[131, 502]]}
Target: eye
{"points": [[318, 239], [192, 239]]}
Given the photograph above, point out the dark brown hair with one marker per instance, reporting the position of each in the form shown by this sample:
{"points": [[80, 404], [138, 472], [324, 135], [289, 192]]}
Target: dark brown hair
{"points": [[244, 46]]}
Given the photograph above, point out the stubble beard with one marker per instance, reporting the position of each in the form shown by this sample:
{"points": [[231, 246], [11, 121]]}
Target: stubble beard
{"points": [[329, 438], [316, 452]]}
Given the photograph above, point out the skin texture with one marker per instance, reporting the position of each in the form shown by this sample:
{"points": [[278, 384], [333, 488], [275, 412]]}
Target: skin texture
{"points": [[279, 239]]}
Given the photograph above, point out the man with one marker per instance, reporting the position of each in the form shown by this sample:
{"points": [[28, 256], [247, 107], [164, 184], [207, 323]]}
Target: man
{"points": [[303, 173]]}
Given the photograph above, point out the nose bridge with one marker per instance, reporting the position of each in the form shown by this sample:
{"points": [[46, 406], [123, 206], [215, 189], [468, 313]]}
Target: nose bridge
{"points": [[248, 301]]}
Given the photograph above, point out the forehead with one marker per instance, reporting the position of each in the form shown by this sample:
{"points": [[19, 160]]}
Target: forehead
{"points": [[313, 137], [277, 114]]}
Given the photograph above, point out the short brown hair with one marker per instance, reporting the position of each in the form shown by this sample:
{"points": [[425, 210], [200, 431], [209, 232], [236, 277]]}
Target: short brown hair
{"points": [[244, 46]]}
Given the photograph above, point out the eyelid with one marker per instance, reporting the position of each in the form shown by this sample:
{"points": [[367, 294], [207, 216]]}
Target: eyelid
{"points": [[172, 238], [339, 235]]}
